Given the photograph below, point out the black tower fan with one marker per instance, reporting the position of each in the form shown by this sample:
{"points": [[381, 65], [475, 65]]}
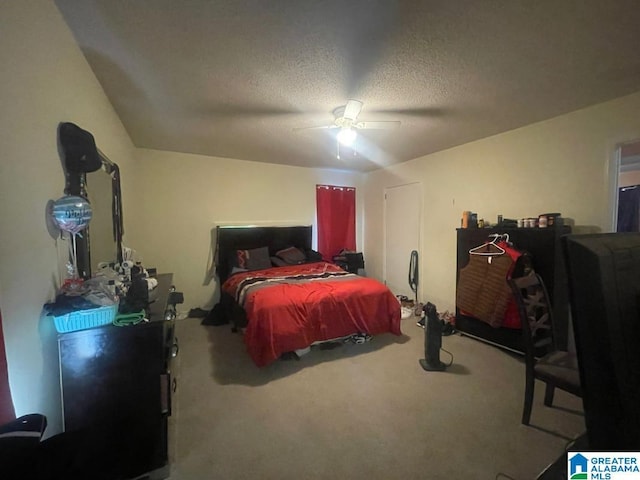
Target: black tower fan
{"points": [[432, 340]]}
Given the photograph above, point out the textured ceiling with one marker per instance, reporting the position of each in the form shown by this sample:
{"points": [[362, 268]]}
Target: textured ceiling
{"points": [[235, 78]]}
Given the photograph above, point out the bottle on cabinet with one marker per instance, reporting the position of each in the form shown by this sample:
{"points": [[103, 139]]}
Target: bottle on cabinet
{"points": [[469, 219], [465, 219]]}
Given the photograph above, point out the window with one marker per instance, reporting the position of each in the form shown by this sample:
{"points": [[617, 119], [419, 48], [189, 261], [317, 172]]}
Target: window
{"points": [[336, 215]]}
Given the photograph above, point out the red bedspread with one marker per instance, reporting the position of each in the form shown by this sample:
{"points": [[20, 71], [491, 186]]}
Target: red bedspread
{"points": [[289, 308]]}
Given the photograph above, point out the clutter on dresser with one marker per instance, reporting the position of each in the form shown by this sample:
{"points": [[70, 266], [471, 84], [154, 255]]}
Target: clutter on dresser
{"points": [[118, 294], [91, 303], [470, 219], [137, 293]]}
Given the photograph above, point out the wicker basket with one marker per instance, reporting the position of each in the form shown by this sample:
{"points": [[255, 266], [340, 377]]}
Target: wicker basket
{"points": [[84, 319]]}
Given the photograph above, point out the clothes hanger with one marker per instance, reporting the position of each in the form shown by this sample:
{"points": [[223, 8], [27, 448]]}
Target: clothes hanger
{"points": [[500, 237], [496, 250]]}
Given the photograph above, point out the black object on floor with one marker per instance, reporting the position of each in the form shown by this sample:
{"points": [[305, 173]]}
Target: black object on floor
{"points": [[447, 329], [216, 316], [432, 341], [198, 313], [289, 356]]}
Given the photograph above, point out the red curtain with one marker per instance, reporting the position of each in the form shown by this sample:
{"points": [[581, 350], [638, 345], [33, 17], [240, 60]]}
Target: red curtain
{"points": [[336, 214], [7, 412]]}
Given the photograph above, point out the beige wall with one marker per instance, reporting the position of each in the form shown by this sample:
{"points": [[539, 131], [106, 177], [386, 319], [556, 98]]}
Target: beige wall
{"points": [[183, 197], [45, 80], [559, 165]]}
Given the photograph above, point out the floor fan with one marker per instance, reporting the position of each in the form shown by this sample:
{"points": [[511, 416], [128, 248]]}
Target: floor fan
{"points": [[432, 340], [433, 327]]}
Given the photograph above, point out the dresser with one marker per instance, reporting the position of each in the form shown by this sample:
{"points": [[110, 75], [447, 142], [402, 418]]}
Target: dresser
{"points": [[117, 383]]}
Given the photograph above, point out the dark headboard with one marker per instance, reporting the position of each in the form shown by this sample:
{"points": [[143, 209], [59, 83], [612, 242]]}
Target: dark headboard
{"points": [[230, 239]]}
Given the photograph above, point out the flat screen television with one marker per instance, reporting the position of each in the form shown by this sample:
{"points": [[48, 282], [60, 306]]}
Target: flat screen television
{"points": [[604, 291]]}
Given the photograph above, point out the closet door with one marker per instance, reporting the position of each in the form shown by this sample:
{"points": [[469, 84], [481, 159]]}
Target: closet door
{"points": [[402, 217]]}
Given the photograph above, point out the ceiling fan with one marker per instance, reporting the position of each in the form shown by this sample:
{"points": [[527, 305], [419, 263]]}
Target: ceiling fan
{"points": [[346, 119]]}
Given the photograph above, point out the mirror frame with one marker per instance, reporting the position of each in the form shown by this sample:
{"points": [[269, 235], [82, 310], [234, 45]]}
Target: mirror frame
{"points": [[78, 186]]}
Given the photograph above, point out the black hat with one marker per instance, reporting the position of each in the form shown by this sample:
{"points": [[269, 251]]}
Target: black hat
{"points": [[80, 151]]}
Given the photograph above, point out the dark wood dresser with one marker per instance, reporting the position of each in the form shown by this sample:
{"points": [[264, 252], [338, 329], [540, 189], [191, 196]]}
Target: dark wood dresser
{"points": [[116, 382]]}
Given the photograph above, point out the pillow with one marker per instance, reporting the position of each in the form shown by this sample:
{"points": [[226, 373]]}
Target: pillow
{"points": [[313, 256], [238, 270], [255, 259], [278, 262], [292, 255]]}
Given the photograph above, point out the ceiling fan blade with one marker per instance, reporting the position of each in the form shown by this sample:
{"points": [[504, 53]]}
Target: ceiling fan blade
{"points": [[432, 112], [320, 127], [352, 109], [386, 125]]}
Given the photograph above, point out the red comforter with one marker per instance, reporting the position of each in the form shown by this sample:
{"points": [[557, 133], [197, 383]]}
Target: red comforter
{"points": [[289, 308]]}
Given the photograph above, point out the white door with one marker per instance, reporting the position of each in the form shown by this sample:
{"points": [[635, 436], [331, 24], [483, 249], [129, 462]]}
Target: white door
{"points": [[402, 215]]}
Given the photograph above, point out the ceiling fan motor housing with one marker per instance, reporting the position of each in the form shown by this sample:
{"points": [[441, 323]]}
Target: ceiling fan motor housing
{"points": [[340, 120]]}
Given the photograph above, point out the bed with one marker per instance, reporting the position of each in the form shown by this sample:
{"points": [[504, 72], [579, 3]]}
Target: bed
{"points": [[294, 299]]}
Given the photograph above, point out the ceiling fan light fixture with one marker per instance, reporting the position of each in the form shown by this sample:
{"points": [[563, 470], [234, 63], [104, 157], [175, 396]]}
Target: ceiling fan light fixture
{"points": [[346, 136]]}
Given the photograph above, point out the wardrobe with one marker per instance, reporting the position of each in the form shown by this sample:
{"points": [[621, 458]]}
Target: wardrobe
{"points": [[544, 247]]}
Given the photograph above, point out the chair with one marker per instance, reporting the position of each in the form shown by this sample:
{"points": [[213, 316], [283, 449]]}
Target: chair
{"points": [[543, 361], [19, 437]]}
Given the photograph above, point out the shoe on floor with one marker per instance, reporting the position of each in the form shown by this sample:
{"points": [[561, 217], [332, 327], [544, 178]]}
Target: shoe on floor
{"points": [[198, 313], [359, 338], [447, 329]]}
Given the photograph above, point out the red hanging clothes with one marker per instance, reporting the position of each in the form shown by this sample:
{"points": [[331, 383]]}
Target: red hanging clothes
{"points": [[511, 315]]}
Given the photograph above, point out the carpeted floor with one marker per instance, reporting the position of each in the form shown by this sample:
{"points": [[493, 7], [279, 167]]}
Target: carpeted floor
{"points": [[359, 412]]}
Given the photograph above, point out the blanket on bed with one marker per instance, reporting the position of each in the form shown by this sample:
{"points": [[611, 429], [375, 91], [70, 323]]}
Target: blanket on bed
{"points": [[290, 308]]}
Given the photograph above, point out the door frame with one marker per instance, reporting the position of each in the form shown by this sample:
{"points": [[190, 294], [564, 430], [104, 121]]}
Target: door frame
{"points": [[420, 230], [614, 173], [615, 164]]}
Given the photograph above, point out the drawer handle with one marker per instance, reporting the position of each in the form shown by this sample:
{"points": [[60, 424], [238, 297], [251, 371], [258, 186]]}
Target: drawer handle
{"points": [[175, 348], [165, 393]]}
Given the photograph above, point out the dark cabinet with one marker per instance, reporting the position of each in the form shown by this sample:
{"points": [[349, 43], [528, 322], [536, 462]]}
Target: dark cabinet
{"points": [[543, 244], [116, 383]]}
